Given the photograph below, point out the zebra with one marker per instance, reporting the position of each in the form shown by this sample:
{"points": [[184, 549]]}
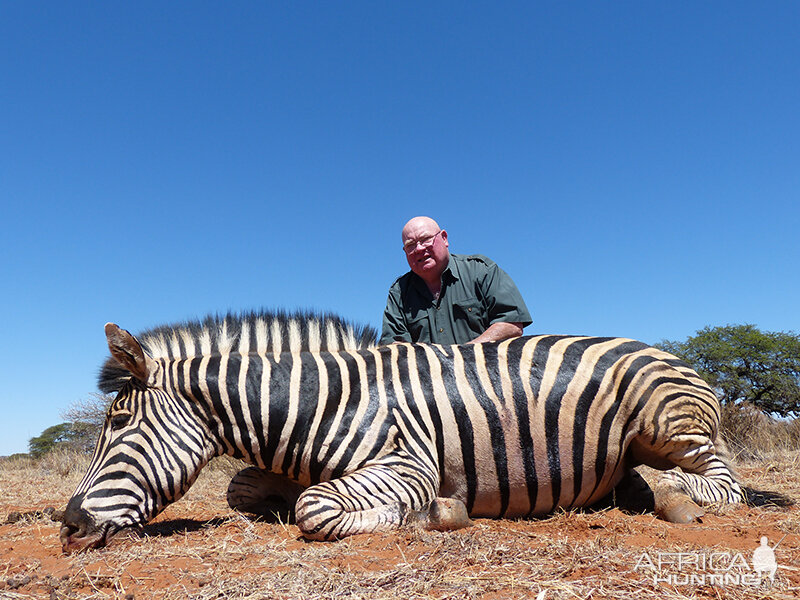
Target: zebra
{"points": [[272, 332], [380, 437]]}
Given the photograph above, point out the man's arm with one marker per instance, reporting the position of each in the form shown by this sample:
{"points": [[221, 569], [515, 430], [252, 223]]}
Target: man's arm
{"points": [[508, 315], [499, 331], [394, 328]]}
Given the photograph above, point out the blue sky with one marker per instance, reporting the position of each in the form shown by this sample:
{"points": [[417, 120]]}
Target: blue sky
{"points": [[634, 166]]}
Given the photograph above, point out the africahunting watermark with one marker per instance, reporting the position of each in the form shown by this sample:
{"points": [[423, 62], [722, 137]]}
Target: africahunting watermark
{"points": [[710, 568]]}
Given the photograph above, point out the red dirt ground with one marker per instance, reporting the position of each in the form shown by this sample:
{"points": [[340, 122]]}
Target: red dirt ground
{"points": [[199, 548]]}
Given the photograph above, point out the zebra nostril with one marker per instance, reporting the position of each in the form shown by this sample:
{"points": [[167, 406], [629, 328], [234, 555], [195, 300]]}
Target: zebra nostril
{"points": [[76, 520], [71, 526], [69, 532]]}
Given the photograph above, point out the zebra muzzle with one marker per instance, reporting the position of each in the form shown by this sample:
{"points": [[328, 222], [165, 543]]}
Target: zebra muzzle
{"points": [[78, 529]]}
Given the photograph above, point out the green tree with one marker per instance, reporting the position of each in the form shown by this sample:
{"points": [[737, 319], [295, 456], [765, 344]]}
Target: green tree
{"points": [[744, 364], [83, 422], [49, 439]]}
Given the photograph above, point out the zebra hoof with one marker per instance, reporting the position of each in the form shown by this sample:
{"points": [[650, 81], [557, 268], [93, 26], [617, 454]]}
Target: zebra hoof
{"points": [[680, 510], [258, 492], [443, 514]]}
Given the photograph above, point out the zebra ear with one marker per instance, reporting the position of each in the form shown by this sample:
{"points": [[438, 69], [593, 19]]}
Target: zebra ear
{"points": [[128, 352]]}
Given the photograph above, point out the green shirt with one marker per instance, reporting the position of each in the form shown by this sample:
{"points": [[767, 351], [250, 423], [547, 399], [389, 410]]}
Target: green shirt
{"points": [[475, 294]]}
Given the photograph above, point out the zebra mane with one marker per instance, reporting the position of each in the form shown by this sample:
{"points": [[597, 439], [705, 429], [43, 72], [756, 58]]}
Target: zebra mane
{"points": [[271, 332]]}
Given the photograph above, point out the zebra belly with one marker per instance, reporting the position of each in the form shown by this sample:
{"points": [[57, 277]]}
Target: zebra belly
{"points": [[510, 488], [487, 502]]}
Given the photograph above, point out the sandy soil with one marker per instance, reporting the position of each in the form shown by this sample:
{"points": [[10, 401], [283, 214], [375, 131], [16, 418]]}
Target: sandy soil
{"points": [[199, 548]]}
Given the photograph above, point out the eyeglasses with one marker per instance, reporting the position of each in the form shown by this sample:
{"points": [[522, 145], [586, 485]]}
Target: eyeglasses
{"points": [[426, 242]]}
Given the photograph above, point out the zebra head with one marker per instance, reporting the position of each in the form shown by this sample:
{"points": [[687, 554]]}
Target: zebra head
{"points": [[150, 451]]}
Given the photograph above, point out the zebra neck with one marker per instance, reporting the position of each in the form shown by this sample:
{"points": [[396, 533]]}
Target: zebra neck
{"points": [[258, 407]]}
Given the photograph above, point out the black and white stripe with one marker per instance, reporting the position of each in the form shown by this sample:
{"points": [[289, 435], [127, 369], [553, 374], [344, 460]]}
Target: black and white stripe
{"points": [[510, 429]]}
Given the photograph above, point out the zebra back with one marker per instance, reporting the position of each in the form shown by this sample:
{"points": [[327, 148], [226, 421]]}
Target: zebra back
{"points": [[273, 332]]}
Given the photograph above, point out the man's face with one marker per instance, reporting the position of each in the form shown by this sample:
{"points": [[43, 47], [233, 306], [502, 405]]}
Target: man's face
{"points": [[426, 249]]}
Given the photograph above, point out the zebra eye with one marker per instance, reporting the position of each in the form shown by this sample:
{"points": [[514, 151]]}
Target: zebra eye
{"points": [[119, 420]]}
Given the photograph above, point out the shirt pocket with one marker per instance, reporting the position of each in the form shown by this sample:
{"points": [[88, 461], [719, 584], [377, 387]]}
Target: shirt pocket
{"points": [[470, 311], [418, 327]]}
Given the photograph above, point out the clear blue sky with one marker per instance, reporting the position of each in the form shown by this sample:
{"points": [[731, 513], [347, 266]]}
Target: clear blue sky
{"points": [[635, 166]]}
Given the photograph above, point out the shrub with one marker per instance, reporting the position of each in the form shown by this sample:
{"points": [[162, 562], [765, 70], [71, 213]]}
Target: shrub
{"points": [[752, 434]]}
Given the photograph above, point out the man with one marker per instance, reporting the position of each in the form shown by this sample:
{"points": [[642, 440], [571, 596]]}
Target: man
{"points": [[450, 298]]}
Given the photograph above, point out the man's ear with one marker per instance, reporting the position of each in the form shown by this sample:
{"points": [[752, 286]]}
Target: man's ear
{"points": [[129, 353]]}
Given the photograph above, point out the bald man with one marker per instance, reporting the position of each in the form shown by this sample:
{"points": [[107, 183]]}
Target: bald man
{"points": [[450, 298]]}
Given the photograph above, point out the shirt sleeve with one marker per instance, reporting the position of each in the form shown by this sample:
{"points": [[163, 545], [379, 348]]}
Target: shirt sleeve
{"points": [[394, 327], [503, 298]]}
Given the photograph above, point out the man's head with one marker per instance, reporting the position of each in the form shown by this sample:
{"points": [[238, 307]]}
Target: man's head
{"points": [[426, 248]]}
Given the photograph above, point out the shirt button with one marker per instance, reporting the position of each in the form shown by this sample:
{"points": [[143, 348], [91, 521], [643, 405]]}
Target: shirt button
{"points": [[469, 310], [441, 330]]}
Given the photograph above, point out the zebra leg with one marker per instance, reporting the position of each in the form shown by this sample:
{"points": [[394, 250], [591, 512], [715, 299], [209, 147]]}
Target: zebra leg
{"points": [[443, 514], [375, 498], [632, 494], [260, 492], [705, 479]]}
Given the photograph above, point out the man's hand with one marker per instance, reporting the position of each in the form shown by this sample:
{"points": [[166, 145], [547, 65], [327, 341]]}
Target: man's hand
{"points": [[498, 332]]}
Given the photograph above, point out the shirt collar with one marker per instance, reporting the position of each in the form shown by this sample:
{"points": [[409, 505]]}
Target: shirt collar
{"points": [[449, 275], [450, 271]]}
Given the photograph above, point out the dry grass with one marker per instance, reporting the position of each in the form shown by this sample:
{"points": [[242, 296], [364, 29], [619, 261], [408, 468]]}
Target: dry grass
{"points": [[200, 549], [753, 435]]}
